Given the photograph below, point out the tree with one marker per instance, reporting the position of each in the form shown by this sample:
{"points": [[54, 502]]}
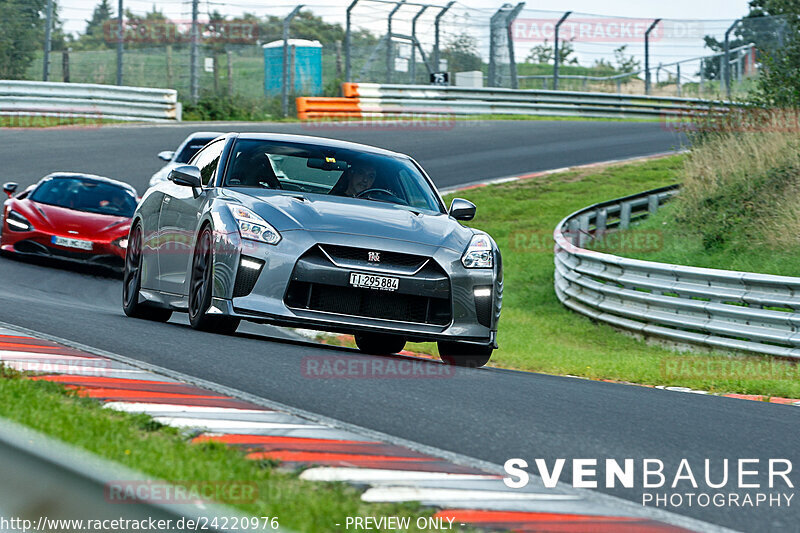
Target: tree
{"points": [[626, 63], [779, 83], [21, 35], [765, 26], [94, 37], [544, 53], [461, 54]]}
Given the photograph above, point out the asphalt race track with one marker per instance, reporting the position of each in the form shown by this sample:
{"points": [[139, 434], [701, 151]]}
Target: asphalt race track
{"points": [[488, 414]]}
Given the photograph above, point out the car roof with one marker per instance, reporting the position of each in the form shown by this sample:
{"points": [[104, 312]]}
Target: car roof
{"points": [[92, 177], [320, 141], [205, 134]]}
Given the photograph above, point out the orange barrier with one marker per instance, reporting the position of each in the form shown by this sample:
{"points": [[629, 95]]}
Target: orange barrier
{"points": [[317, 107], [350, 90]]}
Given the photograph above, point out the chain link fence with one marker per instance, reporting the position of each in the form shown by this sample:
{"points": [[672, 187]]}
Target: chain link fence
{"points": [[408, 41]]}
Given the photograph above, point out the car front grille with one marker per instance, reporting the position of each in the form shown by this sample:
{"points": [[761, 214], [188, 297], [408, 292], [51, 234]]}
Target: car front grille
{"points": [[33, 247], [350, 257], [368, 303]]}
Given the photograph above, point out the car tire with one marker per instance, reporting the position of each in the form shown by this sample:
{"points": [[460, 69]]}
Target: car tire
{"points": [[201, 289], [379, 344], [132, 282], [465, 354]]}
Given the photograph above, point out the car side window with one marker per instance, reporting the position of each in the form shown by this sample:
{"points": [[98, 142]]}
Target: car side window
{"points": [[207, 160]]}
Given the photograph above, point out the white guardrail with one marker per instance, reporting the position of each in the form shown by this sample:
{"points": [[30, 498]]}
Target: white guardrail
{"points": [[373, 99], [96, 102], [716, 308]]}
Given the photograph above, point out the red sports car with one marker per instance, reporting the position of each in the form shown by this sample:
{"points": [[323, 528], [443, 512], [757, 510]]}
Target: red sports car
{"points": [[72, 217]]}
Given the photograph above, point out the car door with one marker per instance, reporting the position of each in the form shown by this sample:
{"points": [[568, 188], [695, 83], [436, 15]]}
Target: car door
{"points": [[178, 219]]}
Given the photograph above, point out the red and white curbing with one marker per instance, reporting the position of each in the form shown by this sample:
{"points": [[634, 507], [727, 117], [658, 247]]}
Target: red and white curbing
{"points": [[390, 472]]}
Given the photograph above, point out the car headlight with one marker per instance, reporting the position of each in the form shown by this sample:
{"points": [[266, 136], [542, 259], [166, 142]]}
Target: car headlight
{"points": [[479, 253], [17, 222], [122, 242], [253, 227]]}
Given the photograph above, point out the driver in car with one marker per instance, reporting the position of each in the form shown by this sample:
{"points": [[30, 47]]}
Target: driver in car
{"points": [[357, 180]]}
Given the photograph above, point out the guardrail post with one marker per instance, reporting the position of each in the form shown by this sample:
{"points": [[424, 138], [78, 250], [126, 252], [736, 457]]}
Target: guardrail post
{"points": [[555, 49], [600, 222], [347, 43], [284, 85], [413, 69], [583, 230], [652, 203], [647, 56], [574, 232], [389, 48], [436, 61], [625, 216]]}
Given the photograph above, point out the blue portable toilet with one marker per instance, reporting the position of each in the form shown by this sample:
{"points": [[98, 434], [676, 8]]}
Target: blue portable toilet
{"points": [[307, 67]]}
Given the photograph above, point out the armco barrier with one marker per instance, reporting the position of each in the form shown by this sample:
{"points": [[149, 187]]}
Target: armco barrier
{"points": [[88, 100], [373, 100], [47, 483], [716, 308]]}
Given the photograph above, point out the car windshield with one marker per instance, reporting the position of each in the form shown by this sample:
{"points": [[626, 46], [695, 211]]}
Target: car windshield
{"points": [[191, 148], [307, 168], [85, 194]]}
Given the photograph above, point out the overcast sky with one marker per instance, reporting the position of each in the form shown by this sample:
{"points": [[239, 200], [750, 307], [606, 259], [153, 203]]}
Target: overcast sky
{"points": [[75, 12]]}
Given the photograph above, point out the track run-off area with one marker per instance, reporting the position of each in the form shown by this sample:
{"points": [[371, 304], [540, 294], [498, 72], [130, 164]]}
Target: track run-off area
{"points": [[488, 414]]}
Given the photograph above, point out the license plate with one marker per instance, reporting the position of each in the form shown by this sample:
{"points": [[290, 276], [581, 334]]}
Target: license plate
{"points": [[369, 281], [72, 243]]}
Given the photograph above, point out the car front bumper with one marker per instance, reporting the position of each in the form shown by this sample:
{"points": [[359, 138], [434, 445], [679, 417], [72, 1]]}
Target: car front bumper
{"points": [[415, 310]]}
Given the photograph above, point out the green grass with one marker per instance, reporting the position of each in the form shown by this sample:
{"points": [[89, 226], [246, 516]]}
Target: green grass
{"points": [[138, 442], [685, 246], [539, 334], [40, 121]]}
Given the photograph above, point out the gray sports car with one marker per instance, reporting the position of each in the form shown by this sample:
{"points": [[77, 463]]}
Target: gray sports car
{"points": [[315, 233]]}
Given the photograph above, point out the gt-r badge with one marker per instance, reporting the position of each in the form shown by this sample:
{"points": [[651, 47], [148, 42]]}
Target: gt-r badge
{"points": [[375, 257]]}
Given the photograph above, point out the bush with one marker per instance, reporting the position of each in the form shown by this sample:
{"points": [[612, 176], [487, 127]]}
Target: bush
{"points": [[215, 107]]}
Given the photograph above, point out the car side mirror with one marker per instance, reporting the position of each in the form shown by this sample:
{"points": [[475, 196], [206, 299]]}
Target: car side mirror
{"points": [[461, 209], [166, 155], [186, 175], [10, 188]]}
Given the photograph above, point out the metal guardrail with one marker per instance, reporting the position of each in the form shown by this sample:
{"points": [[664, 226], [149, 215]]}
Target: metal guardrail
{"points": [[373, 99], [50, 483], [716, 308], [97, 102]]}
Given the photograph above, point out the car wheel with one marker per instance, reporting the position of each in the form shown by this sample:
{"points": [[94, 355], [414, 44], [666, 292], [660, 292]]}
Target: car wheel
{"points": [[379, 344], [465, 354], [132, 282], [201, 289]]}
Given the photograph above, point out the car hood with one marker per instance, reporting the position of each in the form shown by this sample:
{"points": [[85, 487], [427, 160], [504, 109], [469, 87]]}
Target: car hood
{"points": [[54, 219], [321, 213]]}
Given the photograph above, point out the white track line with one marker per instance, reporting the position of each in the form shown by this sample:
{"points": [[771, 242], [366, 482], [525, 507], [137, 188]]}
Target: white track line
{"points": [[221, 425], [11, 354], [415, 494], [377, 475], [148, 408]]}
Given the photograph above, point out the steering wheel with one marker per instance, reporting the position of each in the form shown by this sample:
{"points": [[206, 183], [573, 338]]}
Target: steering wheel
{"points": [[388, 193]]}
